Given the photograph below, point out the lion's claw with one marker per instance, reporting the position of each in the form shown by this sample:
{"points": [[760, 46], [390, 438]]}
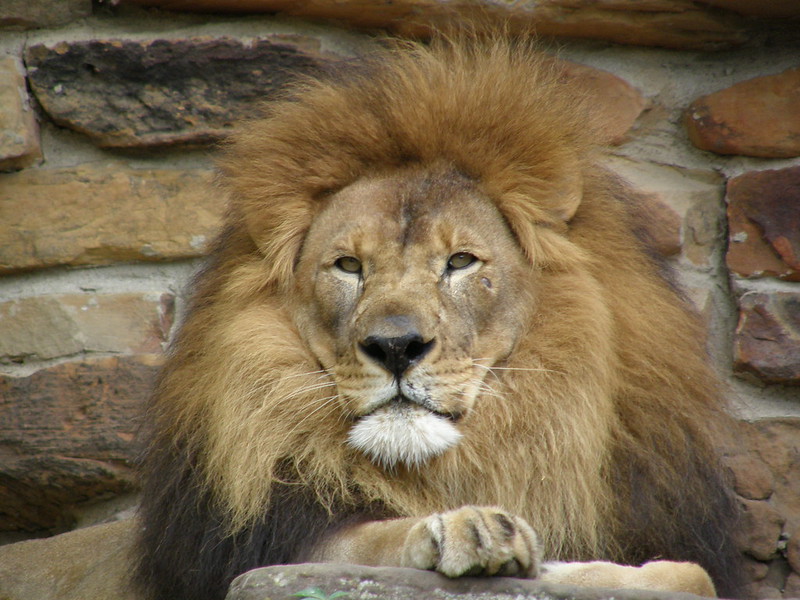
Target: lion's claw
{"points": [[473, 541]]}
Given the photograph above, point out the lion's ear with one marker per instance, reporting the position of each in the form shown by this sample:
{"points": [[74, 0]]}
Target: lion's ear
{"points": [[546, 244], [560, 186], [278, 229], [546, 189], [549, 245], [567, 195], [538, 204]]}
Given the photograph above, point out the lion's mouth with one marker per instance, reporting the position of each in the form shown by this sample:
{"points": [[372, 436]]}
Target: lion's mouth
{"points": [[401, 430], [402, 402]]}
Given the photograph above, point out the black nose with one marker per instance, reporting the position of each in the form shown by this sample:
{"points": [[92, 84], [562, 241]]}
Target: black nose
{"points": [[396, 354]]}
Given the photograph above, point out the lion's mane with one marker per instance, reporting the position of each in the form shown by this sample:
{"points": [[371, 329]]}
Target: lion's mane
{"points": [[598, 433]]}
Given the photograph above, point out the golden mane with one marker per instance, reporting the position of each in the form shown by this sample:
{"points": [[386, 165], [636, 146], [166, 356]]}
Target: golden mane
{"points": [[600, 425]]}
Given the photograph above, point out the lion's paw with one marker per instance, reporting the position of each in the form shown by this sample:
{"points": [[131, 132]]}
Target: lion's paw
{"points": [[473, 541]]}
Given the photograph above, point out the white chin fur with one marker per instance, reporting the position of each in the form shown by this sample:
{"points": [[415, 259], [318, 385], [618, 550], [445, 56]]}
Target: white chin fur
{"points": [[409, 435]]}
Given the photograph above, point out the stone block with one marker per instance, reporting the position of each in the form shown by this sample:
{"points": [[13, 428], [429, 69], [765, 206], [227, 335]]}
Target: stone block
{"points": [[67, 437], [31, 14], [760, 529], [125, 93], [668, 23], [769, 528], [752, 479], [757, 117], [683, 212], [387, 583], [767, 339], [754, 571], [793, 552], [759, 8], [617, 102], [55, 326], [99, 214], [792, 587], [19, 133], [764, 224], [777, 443], [93, 563]]}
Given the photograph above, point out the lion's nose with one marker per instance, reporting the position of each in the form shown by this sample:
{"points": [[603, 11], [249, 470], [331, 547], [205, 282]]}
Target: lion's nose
{"points": [[396, 354]]}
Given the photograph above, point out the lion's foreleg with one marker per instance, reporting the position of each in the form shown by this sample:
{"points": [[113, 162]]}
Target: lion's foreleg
{"points": [[466, 541], [489, 541], [662, 575]]}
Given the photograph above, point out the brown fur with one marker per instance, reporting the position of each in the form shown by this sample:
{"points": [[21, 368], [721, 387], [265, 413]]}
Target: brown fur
{"points": [[597, 431]]}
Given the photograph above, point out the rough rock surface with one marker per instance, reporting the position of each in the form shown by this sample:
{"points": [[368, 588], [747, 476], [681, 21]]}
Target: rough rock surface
{"points": [[767, 339], [669, 23], [753, 479], [776, 442], [759, 8], [86, 564], [99, 214], [766, 469], [681, 212], [19, 133], [761, 529], [55, 326], [764, 224], [617, 102], [758, 117], [363, 583], [140, 93], [29, 14], [67, 437]]}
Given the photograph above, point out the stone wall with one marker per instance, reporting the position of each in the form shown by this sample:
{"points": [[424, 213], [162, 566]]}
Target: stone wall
{"points": [[109, 112]]}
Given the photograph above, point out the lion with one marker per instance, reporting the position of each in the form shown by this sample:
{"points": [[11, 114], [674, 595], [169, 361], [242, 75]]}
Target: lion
{"points": [[432, 335]]}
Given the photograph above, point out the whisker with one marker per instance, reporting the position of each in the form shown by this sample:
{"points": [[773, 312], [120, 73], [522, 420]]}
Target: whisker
{"points": [[325, 403], [487, 391], [532, 369], [309, 388], [320, 371], [266, 383], [540, 370]]}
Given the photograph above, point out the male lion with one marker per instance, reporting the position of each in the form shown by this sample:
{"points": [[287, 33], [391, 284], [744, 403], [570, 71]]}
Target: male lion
{"points": [[429, 329]]}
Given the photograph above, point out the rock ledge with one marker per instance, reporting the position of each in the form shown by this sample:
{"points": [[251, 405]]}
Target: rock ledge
{"points": [[363, 583]]}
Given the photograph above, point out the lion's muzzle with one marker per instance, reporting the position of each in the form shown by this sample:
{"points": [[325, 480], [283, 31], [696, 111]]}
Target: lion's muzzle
{"points": [[403, 432], [396, 353]]}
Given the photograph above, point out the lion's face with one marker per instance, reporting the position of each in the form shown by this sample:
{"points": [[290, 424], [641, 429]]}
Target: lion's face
{"points": [[411, 288]]}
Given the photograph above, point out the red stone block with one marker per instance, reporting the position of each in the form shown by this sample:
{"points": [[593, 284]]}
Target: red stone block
{"points": [[767, 339], [764, 224], [67, 437], [758, 117]]}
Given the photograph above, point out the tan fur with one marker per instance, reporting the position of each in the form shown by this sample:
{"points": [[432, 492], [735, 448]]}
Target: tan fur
{"points": [[657, 575], [444, 542], [589, 337]]}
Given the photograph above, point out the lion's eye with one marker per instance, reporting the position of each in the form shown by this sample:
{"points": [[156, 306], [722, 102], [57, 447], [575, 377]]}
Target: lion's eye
{"points": [[460, 260], [348, 264]]}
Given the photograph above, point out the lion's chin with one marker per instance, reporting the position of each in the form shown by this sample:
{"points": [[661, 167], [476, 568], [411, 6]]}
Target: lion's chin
{"points": [[403, 434]]}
